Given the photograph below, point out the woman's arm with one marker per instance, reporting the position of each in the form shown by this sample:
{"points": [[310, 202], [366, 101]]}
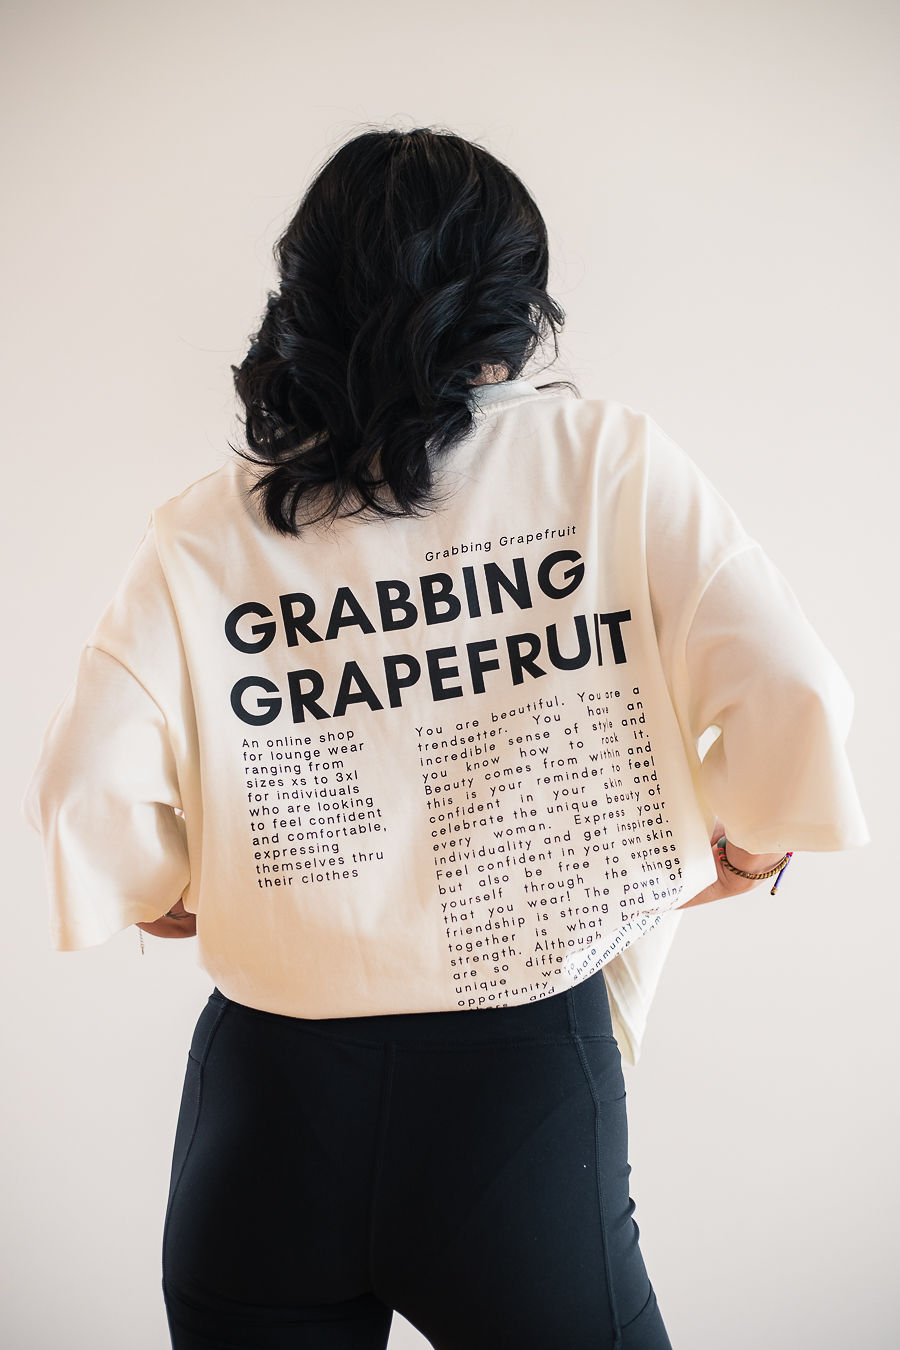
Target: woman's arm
{"points": [[726, 882], [177, 923]]}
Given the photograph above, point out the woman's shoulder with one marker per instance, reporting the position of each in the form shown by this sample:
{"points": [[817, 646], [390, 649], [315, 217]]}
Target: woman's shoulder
{"points": [[206, 503]]}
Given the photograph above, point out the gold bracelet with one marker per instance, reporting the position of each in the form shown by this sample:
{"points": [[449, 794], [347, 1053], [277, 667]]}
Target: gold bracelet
{"points": [[753, 876]]}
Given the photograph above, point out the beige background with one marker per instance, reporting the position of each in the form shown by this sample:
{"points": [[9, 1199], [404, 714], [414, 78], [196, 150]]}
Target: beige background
{"points": [[719, 181]]}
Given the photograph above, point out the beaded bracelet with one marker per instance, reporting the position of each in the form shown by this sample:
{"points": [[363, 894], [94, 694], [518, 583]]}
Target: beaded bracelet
{"points": [[754, 876]]}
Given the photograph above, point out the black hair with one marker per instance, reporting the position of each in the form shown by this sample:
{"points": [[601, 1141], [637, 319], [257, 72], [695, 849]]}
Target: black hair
{"points": [[414, 258]]}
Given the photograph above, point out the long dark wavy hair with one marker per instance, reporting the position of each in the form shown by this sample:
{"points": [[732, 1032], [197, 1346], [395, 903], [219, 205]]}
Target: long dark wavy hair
{"points": [[414, 258]]}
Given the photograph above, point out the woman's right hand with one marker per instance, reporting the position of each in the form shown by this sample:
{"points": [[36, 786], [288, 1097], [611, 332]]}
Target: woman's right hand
{"points": [[177, 922], [726, 883]]}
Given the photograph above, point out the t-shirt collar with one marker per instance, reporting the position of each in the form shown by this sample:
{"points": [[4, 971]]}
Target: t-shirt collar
{"points": [[504, 389]]}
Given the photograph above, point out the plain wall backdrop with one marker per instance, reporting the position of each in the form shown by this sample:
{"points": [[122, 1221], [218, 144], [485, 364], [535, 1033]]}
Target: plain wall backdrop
{"points": [[719, 182]]}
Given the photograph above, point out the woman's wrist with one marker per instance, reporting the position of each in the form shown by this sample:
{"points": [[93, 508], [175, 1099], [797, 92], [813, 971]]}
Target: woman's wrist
{"points": [[167, 927], [177, 922], [750, 862], [729, 883]]}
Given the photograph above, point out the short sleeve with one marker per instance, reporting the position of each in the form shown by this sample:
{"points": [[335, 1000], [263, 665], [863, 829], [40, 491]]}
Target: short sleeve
{"points": [[777, 776], [104, 798]]}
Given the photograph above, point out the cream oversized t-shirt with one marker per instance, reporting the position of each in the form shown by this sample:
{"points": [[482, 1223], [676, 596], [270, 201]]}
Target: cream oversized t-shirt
{"points": [[451, 761]]}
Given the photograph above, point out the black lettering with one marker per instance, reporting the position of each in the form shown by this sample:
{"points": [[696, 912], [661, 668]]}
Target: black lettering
{"points": [[388, 604], [301, 700], [471, 592], [298, 623], [518, 662], [272, 705], [573, 575], [437, 588], [438, 676], [584, 646], [518, 589], [614, 622], [355, 614], [364, 694], [476, 665], [393, 681], [265, 631]]}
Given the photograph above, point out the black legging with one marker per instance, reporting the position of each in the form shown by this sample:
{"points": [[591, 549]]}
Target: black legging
{"points": [[466, 1168]]}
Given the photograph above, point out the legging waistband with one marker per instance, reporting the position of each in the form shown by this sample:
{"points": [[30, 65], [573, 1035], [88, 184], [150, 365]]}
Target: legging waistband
{"points": [[582, 1011]]}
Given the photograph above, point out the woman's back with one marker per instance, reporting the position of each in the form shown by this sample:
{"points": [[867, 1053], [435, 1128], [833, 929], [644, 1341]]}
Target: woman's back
{"points": [[445, 762]]}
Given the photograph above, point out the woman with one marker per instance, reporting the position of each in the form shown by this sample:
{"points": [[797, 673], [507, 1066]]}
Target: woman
{"points": [[399, 712]]}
